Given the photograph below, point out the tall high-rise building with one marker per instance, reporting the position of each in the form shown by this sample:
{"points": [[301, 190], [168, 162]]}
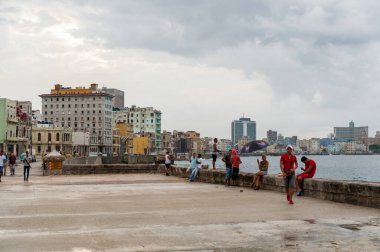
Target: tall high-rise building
{"points": [[243, 127], [272, 136], [84, 110], [351, 132], [118, 97]]}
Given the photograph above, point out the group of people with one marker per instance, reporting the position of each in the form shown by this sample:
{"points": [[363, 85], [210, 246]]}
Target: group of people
{"points": [[10, 161], [288, 165]]}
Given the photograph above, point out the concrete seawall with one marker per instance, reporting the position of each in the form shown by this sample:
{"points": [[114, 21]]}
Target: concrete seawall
{"points": [[350, 192], [78, 169]]}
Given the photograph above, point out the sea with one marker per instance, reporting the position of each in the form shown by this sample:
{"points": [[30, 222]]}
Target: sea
{"points": [[337, 167]]}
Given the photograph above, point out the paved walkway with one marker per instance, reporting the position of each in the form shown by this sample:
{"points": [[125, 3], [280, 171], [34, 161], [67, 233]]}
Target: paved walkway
{"points": [[156, 213]]}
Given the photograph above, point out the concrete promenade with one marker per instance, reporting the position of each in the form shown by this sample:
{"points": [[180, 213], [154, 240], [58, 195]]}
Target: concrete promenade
{"points": [[151, 212]]}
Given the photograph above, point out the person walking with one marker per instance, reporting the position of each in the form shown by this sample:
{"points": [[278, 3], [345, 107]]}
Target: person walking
{"points": [[263, 170], [289, 164], [227, 160], [236, 161], [12, 163], [3, 160], [308, 172], [26, 162], [5, 165], [215, 152]]}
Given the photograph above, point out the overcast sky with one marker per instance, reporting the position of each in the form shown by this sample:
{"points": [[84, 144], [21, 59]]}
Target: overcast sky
{"points": [[295, 66]]}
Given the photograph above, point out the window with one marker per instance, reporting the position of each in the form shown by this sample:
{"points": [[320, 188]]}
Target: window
{"points": [[39, 148], [39, 137], [51, 106], [69, 105], [88, 105], [57, 137], [49, 137], [45, 105], [45, 112]]}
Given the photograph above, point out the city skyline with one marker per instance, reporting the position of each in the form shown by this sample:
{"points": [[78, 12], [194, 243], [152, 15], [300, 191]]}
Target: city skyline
{"points": [[294, 67]]}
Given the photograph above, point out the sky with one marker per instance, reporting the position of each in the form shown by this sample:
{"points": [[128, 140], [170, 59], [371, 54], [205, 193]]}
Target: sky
{"points": [[298, 67]]}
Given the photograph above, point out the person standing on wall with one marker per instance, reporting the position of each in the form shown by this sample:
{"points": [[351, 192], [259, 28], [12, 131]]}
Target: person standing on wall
{"points": [[289, 164], [215, 152]]}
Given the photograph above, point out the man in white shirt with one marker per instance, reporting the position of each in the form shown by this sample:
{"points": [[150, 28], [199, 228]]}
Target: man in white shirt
{"points": [[168, 162]]}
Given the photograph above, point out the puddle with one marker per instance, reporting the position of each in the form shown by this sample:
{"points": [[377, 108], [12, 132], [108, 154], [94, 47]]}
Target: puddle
{"points": [[310, 221], [352, 227]]}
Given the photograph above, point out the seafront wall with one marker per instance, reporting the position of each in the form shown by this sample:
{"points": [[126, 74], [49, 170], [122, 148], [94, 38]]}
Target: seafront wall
{"points": [[350, 192]]}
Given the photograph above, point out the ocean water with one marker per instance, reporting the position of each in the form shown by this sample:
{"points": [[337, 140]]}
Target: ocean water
{"points": [[341, 167]]}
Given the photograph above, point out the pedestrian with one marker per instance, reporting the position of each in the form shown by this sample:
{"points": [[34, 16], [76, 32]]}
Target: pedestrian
{"points": [[236, 161], [193, 166], [227, 160], [5, 164], [12, 163], [26, 162], [195, 171], [289, 164], [215, 152], [3, 160], [263, 170], [308, 172], [168, 162]]}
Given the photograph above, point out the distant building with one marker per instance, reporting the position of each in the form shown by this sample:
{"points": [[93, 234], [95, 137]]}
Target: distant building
{"points": [[144, 120], [243, 127], [118, 97], [46, 138], [272, 136], [280, 139], [351, 132], [15, 126], [84, 110]]}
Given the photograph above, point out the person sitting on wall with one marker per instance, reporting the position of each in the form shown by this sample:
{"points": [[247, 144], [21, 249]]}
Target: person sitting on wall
{"points": [[308, 172], [263, 170]]}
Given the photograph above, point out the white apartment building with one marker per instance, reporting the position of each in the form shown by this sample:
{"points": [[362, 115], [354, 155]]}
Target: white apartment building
{"points": [[83, 110]]}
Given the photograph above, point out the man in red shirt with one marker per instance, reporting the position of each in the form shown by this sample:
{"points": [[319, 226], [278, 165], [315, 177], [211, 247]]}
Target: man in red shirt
{"points": [[308, 172], [235, 160], [289, 164]]}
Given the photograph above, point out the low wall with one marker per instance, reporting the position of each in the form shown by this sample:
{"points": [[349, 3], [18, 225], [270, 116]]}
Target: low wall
{"points": [[83, 160], [127, 159], [77, 169], [351, 192]]}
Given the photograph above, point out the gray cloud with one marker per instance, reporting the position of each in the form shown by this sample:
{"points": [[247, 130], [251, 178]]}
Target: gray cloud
{"points": [[318, 59]]}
